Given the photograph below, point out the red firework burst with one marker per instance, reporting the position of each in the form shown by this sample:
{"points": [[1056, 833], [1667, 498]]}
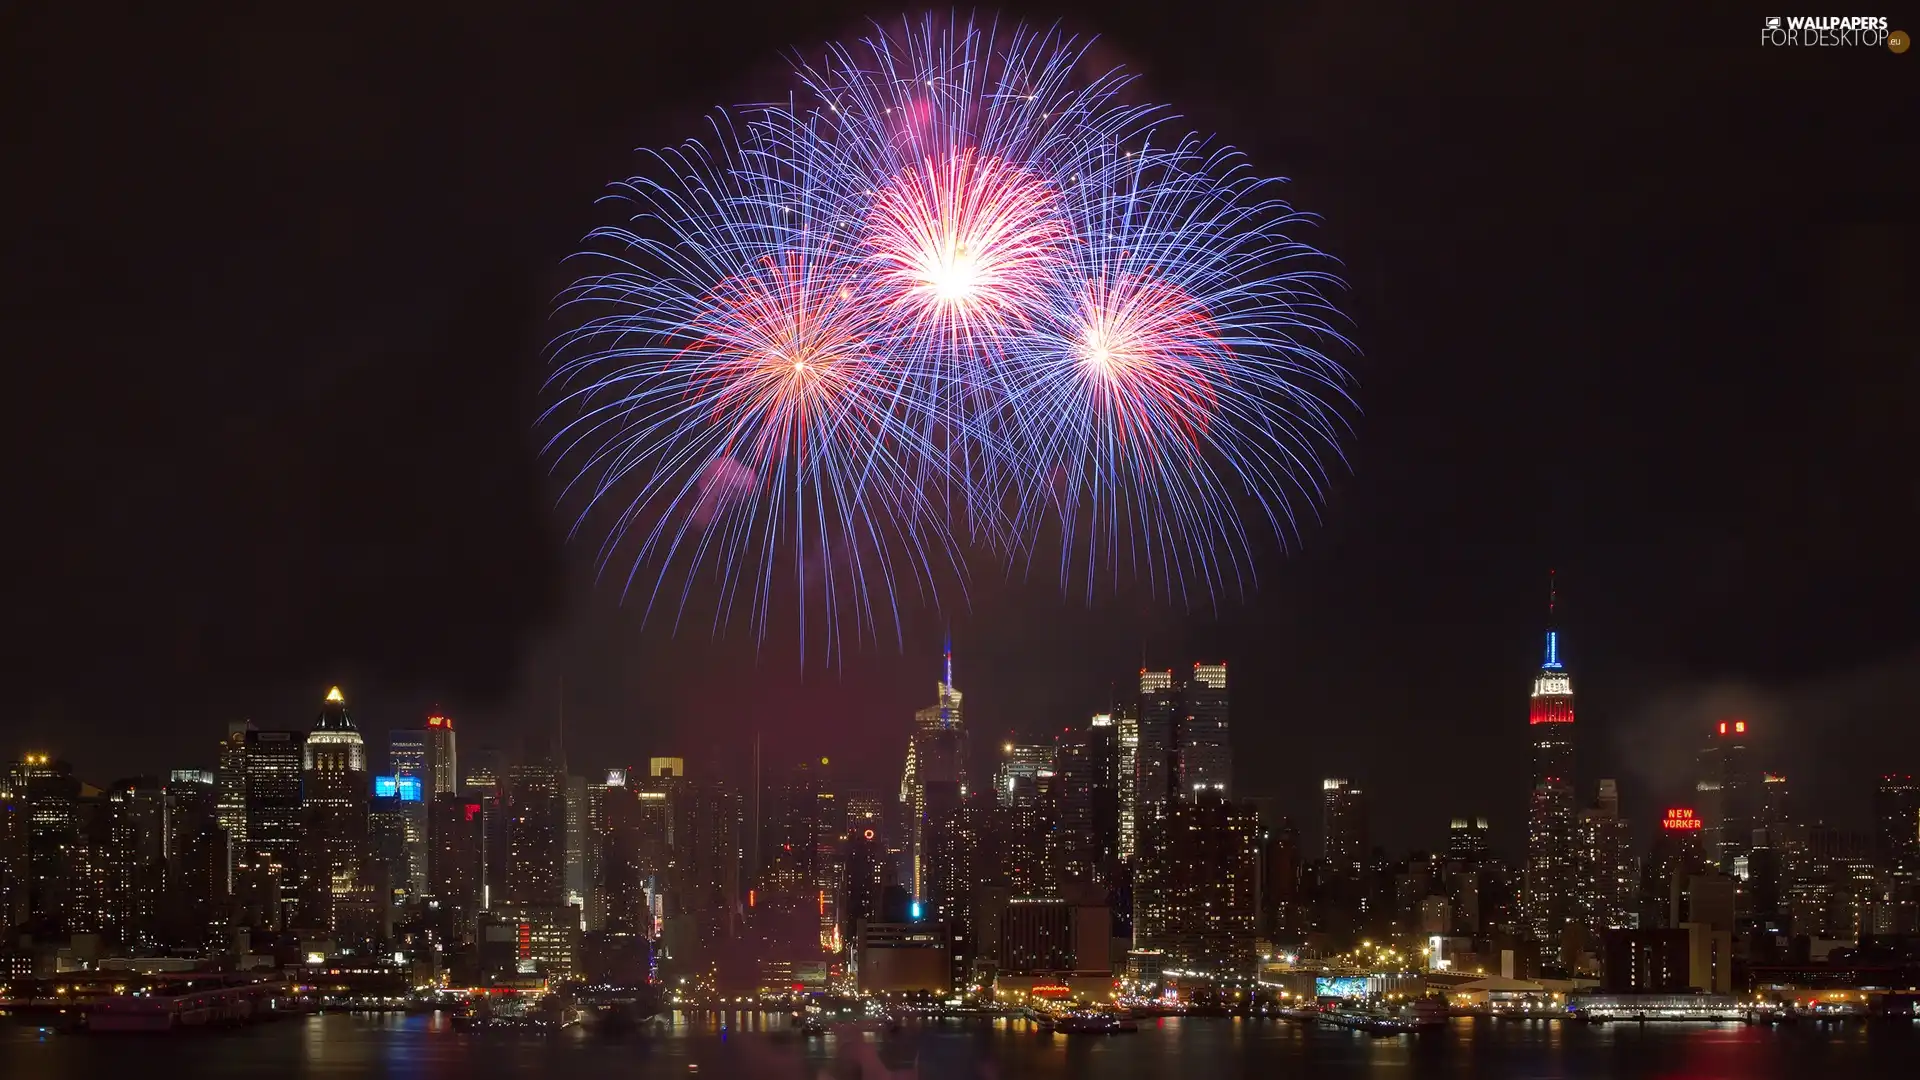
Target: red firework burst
{"points": [[787, 357], [1149, 357]]}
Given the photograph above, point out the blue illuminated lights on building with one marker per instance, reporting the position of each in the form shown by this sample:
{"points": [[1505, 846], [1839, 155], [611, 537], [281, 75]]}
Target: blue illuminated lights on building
{"points": [[405, 788], [1553, 651], [915, 911]]}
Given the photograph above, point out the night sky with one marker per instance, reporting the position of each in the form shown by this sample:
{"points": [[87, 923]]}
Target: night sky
{"points": [[1637, 301]]}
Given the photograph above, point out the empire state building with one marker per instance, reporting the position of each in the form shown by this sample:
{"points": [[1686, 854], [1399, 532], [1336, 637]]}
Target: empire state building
{"points": [[1550, 876]]}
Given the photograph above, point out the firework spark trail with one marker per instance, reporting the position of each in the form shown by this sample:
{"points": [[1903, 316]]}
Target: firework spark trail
{"points": [[731, 341], [1182, 369], [955, 278], [966, 143]]}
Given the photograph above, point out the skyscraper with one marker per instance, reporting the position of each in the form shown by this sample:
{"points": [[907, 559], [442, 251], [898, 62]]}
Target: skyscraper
{"points": [[1020, 762], [537, 829], [1725, 795], [1343, 827], [935, 778], [454, 855], [1609, 883], [1159, 710], [275, 824], [1896, 824], [1103, 794], [408, 754], [336, 791], [443, 763], [232, 782], [1127, 729], [1552, 824], [1206, 755]]}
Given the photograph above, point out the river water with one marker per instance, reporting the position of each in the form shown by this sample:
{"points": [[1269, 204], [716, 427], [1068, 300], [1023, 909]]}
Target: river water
{"points": [[425, 1048]]}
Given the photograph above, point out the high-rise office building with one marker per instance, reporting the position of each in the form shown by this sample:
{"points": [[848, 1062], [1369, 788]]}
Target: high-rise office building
{"points": [[1677, 855], [195, 909], [620, 894], [1103, 795], [1127, 737], [935, 778], [275, 827], [579, 859], [336, 791], [232, 782], [1206, 754], [1609, 881], [454, 856], [1072, 849], [51, 795], [1725, 796], [1195, 893], [1896, 824], [131, 848], [408, 759], [790, 835], [1469, 840], [443, 763], [1160, 712], [1551, 873], [536, 804], [1344, 827], [1281, 914], [1020, 762]]}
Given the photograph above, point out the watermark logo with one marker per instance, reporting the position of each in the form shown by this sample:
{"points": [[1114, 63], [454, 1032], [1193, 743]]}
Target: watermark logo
{"points": [[1831, 31]]}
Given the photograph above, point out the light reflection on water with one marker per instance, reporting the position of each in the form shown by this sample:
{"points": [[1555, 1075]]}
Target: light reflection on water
{"points": [[701, 1046]]}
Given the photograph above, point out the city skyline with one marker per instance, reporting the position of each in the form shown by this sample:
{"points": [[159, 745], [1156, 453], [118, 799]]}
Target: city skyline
{"points": [[1583, 318], [1645, 804]]}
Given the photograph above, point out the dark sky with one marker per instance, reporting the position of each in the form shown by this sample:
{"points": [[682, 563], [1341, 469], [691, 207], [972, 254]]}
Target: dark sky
{"points": [[1637, 300]]}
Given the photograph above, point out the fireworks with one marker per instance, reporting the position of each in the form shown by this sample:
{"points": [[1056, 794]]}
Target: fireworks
{"points": [[953, 279]]}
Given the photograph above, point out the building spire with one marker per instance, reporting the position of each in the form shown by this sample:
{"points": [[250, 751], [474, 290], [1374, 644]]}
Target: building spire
{"points": [[1552, 660], [947, 661]]}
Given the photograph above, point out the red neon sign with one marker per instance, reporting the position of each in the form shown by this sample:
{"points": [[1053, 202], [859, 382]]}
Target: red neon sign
{"points": [[1680, 819], [472, 809], [1723, 727]]}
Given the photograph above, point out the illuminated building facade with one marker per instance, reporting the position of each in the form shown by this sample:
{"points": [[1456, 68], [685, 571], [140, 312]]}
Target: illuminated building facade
{"points": [[620, 893], [1196, 888], [454, 853], [50, 796], [1725, 794], [408, 760], [536, 808], [1344, 827], [133, 824], [1160, 715], [1206, 752], [935, 778], [199, 863], [336, 790], [1127, 738], [1551, 876], [1020, 764], [1609, 879], [443, 759], [231, 778], [1103, 797], [275, 826], [1678, 854]]}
